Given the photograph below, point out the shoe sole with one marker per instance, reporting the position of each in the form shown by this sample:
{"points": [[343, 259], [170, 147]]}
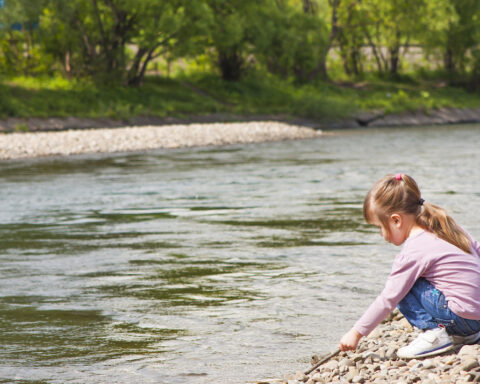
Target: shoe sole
{"points": [[434, 352], [477, 340], [460, 343]]}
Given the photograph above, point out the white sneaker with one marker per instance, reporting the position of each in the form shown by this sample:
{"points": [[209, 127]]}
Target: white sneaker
{"points": [[429, 343], [470, 339]]}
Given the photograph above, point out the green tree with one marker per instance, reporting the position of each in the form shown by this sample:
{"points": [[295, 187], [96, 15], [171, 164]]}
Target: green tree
{"points": [[350, 35], [90, 35], [387, 27], [461, 35], [115, 40], [292, 40], [169, 28], [19, 51], [230, 34]]}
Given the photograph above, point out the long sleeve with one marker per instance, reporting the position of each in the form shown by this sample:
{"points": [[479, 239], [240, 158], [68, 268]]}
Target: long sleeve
{"points": [[406, 270]]}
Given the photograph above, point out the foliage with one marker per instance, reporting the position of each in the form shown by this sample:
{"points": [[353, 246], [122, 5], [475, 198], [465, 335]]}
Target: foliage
{"points": [[258, 93], [291, 42], [229, 34], [117, 42], [386, 27], [461, 35], [19, 51]]}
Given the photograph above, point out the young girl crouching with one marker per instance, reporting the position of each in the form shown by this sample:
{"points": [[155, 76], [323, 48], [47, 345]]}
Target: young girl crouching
{"points": [[435, 279]]}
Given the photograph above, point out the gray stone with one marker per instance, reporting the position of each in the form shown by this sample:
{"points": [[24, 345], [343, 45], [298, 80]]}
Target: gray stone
{"points": [[356, 357], [346, 363], [371, 355], [320, 380], [391, 353], [376, 333], [428, 364], [331, 365], [317, 378], [469, 364], [468, 350], [445, 368], [413, 378], [358, 379], [300, 376]]}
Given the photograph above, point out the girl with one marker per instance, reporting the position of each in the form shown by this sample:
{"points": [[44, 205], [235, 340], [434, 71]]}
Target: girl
{"points": [[435, 279]]}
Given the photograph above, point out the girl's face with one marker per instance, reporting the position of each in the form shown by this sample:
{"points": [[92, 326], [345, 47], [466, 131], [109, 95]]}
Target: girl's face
{"points": [[396, 233]]}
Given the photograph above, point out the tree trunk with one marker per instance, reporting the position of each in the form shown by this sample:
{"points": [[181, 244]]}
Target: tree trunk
{"points": [[132, 75], [355, 60], [309, 6], [321, 68], [376, 53], [449, 62], [231, 65], [395, 55], [67, 62], [394, 59]]}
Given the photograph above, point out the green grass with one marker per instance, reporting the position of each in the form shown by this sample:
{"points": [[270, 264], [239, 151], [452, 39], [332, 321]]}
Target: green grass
{"points": [[206, 94]]}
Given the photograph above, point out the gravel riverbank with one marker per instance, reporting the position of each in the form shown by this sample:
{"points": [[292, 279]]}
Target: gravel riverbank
{"points": [[106, 140], [34, 137], [375, 361]]}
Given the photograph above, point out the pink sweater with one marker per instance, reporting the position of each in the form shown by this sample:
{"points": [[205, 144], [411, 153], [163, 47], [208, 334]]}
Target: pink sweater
{"points": [[453, 272]]}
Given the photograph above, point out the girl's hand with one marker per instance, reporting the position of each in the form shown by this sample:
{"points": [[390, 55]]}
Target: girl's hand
{"points": [[350, 340]]}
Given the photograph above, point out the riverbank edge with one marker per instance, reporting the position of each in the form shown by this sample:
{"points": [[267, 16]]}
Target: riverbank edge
{"points": [[365, 119], [144, 138], [375, 361]]}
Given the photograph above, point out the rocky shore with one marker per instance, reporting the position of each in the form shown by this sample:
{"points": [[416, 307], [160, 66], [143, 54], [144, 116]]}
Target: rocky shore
{"points": [[35, 137], [373, 118], [375, 361], [107, 140]]}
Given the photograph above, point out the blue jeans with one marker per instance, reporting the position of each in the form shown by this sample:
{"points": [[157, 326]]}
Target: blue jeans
{"points": [[425, 307]]}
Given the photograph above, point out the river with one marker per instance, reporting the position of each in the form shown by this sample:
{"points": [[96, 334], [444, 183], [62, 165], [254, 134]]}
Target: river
{"points": [[206, 265]]}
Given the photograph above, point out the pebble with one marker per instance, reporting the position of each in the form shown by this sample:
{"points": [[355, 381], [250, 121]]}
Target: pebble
{"points": [[358, 379], [469, 350], [346, 363], [469, 364], [428, 364], [330, 365], [375, 361]]}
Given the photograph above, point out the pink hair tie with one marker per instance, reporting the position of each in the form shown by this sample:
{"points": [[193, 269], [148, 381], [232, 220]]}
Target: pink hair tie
{"points": [[398, 176]]}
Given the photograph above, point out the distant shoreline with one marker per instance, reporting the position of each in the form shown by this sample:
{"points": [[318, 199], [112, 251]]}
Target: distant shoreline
{"points": [[128, 139], [40, 137], [374, 118]]}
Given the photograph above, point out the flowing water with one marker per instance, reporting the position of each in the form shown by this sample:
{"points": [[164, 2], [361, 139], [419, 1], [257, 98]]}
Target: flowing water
{"points": [[207, 265]]}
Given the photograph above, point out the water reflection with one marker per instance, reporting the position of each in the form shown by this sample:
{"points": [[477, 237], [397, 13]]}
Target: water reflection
{"points": [[54, 336]]}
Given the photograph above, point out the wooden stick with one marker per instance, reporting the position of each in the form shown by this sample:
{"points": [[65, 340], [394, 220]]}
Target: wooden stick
{"points": [[323, 360]]}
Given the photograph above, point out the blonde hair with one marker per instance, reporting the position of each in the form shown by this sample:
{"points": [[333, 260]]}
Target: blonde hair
{"points": [[400, 194]]}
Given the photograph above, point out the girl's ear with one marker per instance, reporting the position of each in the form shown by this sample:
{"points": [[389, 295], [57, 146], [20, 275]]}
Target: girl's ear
{"points": [[396, 219]]}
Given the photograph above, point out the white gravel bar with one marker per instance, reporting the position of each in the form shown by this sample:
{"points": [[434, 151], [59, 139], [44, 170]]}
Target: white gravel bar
{"points": [[107, 140]]}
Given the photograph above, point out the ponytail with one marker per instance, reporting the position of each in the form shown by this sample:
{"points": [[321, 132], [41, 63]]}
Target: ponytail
{"points": [[400, 193], [436, 220]]}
